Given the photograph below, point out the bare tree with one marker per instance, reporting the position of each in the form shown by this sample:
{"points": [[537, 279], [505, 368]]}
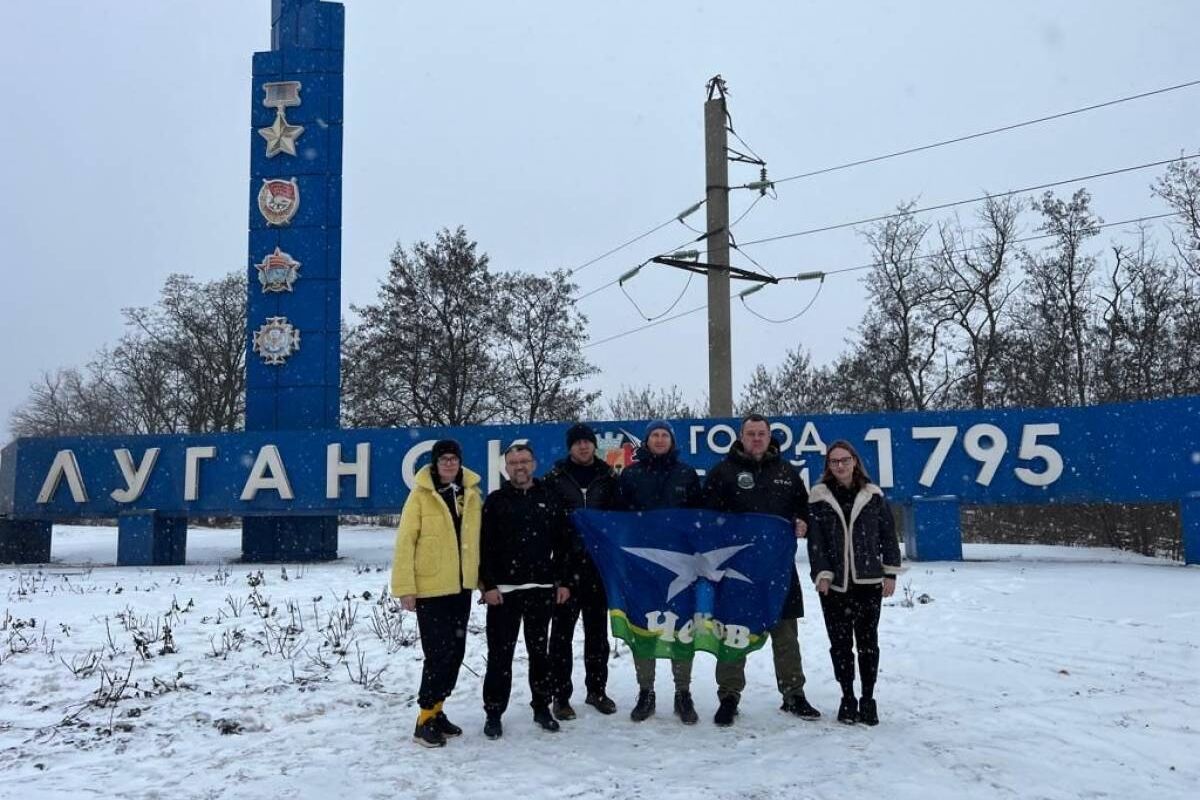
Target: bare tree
{"points": [[1047, 359], [646, 403], [1063, 279], [974, 284], [423, 353], [1180, 187], [904, 327], [1142, 348], [67, 402], [541, 337], [795, 387], [182, 360], [178, 368]]}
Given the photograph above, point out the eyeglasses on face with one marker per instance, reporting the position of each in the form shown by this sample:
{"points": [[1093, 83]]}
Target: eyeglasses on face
{"points": [[448, 459], [841, 462]]}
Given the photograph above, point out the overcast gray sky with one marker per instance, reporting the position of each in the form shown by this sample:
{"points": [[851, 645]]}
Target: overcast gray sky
{"points": [[554, 131]]}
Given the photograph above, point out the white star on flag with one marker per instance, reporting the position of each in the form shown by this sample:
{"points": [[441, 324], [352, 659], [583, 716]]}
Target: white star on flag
{"points": [[690, 567]]}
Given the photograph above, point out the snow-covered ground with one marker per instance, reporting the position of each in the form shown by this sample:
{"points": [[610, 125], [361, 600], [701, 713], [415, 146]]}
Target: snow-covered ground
{"points": [[1034, 672]]}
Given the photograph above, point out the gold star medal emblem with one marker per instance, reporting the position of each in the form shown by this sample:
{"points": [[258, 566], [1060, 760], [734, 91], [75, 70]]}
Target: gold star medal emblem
{"points": [[281, 137]]}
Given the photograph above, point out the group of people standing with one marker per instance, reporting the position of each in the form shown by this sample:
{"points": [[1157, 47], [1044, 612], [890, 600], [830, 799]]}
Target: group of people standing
{"points": [[519, 549]]}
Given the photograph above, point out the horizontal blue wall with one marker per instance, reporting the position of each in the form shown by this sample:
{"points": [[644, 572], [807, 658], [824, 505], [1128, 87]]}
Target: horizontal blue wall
{"points": [[1117, 453]]}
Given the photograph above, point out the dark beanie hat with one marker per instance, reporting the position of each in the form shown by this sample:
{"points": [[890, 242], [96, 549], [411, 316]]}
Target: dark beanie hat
{"points": [[580, 431], [660, 425], [446, 447]]}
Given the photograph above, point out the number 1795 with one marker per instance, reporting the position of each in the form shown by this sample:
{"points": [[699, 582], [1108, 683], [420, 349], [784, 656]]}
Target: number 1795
{"points": [[984, 443]]}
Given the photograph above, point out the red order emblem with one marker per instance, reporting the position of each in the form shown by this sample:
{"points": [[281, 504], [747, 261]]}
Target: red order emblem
{"points": [[279, 200]]}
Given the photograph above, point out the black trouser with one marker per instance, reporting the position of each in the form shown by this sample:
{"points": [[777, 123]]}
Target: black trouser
{"points": [[442, 623], [532, 608], [852, 618], [587, 600]]}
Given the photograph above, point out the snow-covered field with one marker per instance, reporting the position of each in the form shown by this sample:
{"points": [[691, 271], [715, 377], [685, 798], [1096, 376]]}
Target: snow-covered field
{"points": [[1034, 672]]}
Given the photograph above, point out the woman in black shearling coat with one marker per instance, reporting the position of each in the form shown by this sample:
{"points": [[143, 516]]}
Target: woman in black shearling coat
{"points": [[854, 558]]}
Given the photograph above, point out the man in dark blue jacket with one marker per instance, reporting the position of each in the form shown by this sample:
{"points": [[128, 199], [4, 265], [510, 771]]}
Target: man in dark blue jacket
{"points": [[658, 479]]}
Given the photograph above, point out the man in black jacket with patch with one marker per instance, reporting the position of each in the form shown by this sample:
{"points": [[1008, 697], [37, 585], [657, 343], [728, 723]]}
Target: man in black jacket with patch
{"points": [[582, 481], [754, 477], [523, 569]]}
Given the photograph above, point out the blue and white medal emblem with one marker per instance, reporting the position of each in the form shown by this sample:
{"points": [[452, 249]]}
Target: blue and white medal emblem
{"points": [[276, 340], [278, 271]]}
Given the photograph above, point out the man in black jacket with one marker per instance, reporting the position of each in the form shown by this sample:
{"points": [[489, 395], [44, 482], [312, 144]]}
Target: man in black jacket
{"points": [[524, 547], [753, 477], [582, 481], [658, 479]]}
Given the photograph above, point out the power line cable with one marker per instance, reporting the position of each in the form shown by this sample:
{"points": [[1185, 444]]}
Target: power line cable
{"points": [[617, 280], [748, 257], [669, 309], [691, 311], [874, 159], [596, 290], [653, 324], [741, 216], [1021, 240], [793, 317], [746, 213], [989, 132], [701, 236], [678, 217], [981, 198]]}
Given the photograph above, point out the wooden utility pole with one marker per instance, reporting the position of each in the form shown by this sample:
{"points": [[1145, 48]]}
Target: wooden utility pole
{"points": [[716, 177]]}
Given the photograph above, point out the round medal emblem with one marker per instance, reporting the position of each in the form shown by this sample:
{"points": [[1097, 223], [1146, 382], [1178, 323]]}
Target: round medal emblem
{"points": [[745, 480], [279, 200]]}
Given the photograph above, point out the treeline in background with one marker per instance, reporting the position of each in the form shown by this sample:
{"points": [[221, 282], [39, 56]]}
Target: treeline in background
{"points": [[1030, 302]]}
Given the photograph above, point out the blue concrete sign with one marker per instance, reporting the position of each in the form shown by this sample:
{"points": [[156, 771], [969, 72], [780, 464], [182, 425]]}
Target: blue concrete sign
{"points": [[293, 319], [929, 462], [293, 470]]}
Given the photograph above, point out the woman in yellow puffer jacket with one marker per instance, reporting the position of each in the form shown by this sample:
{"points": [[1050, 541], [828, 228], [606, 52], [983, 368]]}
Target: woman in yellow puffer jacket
{"points": [[435, 568]]}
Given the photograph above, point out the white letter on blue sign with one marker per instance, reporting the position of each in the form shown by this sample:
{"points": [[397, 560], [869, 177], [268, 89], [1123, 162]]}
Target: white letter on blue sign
{"points": [[135, 481], [268, 473], [191, 470], [64, 464], [360, 468]]}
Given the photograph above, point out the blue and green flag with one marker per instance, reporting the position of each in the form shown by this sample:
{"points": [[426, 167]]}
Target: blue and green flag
{"points": [[681, 580]]}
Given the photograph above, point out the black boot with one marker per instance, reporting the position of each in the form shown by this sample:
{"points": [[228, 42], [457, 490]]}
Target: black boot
{"points": [[427, 735], [445, 726], [726, 712], [544, 720], [563, 710], [685, 709], [644, 707], [848, 710], [601, 702], [867, 713], [492, 729], [798, 705]]}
